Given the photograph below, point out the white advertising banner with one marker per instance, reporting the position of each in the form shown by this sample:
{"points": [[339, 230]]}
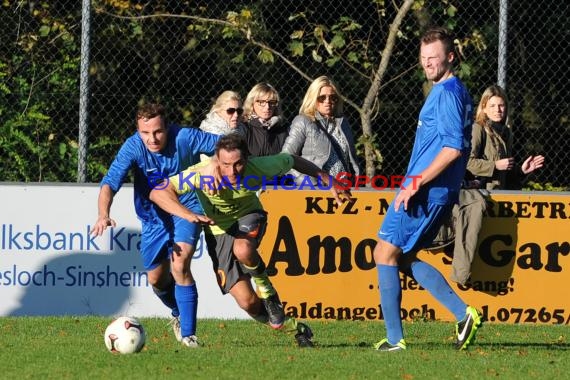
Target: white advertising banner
{"points": [[51, 265]]}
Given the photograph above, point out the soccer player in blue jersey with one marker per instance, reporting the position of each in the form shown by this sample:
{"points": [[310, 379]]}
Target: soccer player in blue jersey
{"points": [[155, 152], [439, 158]]}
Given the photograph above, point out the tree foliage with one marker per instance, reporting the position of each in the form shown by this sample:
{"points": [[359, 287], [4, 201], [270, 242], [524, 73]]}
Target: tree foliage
{"points": [[39, 66], [184, 53], [356, 45]]}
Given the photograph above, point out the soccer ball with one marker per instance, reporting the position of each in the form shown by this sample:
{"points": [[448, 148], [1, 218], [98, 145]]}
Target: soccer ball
{"points": [[125, 335]]}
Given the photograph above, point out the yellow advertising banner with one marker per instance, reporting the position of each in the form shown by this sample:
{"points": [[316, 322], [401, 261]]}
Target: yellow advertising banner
{"points": [[319, 257]]}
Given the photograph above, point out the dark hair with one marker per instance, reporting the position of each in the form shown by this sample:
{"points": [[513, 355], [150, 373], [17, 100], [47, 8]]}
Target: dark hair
{"points": [[150, 110], [233, 141], [440, 34]]}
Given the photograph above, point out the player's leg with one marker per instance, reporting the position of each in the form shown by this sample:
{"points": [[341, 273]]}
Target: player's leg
{"points": [[186, 236], [162, 284], [233, 280], [386, 258], [247, 299], [430, 218], [248, 232], [154, 252], [468, 318]]}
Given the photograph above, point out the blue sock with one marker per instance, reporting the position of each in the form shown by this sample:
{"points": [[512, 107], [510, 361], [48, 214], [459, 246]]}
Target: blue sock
{"points": [[187, 300], [167, 297], [391, 301], [432, 280]]}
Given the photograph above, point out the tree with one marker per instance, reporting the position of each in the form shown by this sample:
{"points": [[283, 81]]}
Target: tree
{"points": [[338, 40], [39, 63]]}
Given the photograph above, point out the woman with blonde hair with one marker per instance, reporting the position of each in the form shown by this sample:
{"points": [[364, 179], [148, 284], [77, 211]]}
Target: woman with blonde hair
{"points": [[265, 130], [225, 115], [491, 159], [321, 134]]}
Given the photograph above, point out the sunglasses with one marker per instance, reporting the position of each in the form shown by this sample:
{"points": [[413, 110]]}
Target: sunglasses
{"points": [[271, 103], [333, 98], [233, 110]]}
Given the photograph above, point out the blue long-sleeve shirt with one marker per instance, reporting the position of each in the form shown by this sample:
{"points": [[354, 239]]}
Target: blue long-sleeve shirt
{"points": [[183, 149]]}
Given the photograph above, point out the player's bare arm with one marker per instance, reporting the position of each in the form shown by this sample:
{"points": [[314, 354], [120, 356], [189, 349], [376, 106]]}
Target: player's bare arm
{"points": [[104, 202], [307, 167], [443, 159], [167, 199]]}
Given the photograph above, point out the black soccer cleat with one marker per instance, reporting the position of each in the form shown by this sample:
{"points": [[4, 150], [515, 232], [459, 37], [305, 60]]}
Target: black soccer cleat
{"points": [[275, 312], [466, 329], [304, 335]]}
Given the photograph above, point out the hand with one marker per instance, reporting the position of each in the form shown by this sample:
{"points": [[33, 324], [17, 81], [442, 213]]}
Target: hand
{"points": [[404, 196], [505, 164], [214, 176], [340, 195], [200, 219], [101, 225], [532, 163], [339, 191]]}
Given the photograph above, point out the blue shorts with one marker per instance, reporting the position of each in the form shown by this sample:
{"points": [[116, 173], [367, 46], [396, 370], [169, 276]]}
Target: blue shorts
{"points": [[158, 237], [415, 228]]}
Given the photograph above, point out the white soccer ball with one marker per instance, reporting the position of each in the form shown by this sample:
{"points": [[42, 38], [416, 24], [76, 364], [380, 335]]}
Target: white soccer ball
{"points": [[125, 335]]}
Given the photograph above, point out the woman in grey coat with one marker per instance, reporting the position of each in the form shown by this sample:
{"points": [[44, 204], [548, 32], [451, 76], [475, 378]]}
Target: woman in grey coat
{"points": [[321, 134]]}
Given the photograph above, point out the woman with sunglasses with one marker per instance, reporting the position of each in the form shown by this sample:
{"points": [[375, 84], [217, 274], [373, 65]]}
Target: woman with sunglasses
{"points": [[225, 116], [265, 129], [321, 134]]}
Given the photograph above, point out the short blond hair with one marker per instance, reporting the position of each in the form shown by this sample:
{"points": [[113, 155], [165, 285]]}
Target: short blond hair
{"points": [[223, 98], [259, 90]]}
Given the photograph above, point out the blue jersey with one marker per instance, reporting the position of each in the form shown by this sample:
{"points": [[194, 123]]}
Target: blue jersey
{"points": [[183, 149], [445, 121]]}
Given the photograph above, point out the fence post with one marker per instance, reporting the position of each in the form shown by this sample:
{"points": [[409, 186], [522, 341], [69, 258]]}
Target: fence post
{"points": [[84, 91], [502, 59]]}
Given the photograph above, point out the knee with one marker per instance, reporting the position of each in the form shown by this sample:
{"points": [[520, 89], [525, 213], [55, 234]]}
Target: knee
{"points": [[386, 254], [182, 250], [250, 304], [158, 283], [160, 277], [243, 248], [181, 256]]}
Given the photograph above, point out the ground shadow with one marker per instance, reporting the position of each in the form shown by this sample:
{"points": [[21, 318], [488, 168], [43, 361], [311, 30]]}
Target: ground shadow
{"points": [[81, 283]]}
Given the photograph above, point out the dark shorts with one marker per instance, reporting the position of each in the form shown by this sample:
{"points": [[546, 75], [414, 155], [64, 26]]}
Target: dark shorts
{"points": [[220, 247]]}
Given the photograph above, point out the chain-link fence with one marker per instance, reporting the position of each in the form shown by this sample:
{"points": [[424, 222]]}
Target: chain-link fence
{"points": [[185, 53]]}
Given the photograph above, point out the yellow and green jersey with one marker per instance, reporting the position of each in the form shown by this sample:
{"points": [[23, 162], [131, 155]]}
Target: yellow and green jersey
{"points": [[231, 202]]}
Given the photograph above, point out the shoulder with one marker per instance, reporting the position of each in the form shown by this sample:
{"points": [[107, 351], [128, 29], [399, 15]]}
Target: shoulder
{"points": [[454, 87], [302, 120], [187, 131], [213, 123], [477, 127], [133, 144]]}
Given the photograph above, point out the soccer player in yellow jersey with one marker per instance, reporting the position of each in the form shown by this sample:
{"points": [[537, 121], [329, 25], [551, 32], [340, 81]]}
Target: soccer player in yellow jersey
{"points": [[235, 222]]}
